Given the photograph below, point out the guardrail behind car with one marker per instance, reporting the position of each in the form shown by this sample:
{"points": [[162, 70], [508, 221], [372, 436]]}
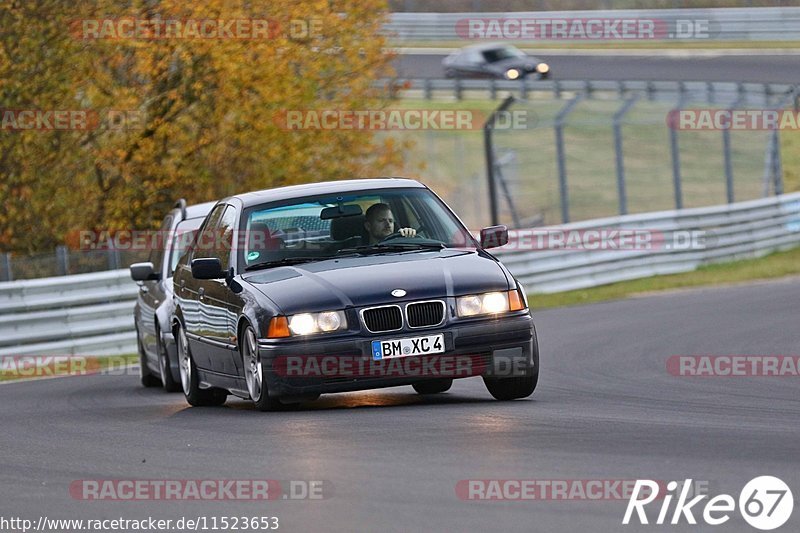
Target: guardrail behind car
{"points": [[93, 313], [81, 314]]}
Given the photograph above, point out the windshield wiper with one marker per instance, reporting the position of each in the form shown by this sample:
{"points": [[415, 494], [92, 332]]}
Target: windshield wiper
{"points": [[284, 262], [392, 247]]}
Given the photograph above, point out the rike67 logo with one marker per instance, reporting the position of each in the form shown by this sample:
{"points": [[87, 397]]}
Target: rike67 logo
{"points": [[765, 503]]}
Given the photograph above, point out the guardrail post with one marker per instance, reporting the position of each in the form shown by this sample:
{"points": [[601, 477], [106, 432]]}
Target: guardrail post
{"points": [[492, 89], [113, 257], [623, 200], [7, 264], [428, 89], [560, 158], [62, 260], [557, 89], [490, 162], [458, 88]]}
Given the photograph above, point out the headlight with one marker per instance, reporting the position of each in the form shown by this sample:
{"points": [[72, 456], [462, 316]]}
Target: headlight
{"points": [[512, 74], [489, 303], [310, 323], [542, 68]]}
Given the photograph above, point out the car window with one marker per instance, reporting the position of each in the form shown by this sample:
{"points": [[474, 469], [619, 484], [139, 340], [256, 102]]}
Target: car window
{"points": [[498, 54], [295, 228], [204, 244], [184, 235]]}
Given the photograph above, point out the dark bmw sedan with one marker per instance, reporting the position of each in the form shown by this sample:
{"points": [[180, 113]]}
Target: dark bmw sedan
{"points": [[293, 292]]}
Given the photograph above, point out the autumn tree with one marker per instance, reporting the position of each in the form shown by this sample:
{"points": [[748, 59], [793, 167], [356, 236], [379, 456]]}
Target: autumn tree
{"points": [[182, 114]]}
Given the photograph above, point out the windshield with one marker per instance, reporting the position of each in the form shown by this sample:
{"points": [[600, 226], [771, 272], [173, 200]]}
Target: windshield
{"points": [[368, 222], [499, 54]]}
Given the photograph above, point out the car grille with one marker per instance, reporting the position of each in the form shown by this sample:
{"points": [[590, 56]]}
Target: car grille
{"points": [[378, 319], [425, 314]]}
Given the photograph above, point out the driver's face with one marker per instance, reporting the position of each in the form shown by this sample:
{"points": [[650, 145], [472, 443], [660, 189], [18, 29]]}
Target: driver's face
{"points": [[381, 226]]}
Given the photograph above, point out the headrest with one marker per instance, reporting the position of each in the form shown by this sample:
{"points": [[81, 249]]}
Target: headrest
{"points": [[345, 227]]}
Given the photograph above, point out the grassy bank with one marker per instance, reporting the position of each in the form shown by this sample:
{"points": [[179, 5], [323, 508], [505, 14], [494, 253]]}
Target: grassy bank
{"points": [[776, 265]]}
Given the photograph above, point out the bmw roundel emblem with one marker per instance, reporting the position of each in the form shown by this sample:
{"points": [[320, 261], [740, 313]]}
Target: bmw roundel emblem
{"points": [[398, 293]]}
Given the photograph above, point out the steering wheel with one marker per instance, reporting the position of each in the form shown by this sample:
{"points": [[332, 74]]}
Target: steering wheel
{"points": [[397, 234], [391, 236]]}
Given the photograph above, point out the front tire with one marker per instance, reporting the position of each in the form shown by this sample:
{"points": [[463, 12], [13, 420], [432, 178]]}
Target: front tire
{"points": [[189, 381], [170, 385], [254, 372], [145, 376], [505, 389], [433, 386]]}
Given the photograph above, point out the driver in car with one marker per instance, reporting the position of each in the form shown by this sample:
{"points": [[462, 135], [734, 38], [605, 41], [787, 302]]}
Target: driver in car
{"points": [[379, 222]]}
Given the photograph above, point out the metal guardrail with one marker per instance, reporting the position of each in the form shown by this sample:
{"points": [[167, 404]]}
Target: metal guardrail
{"points": [[733, 231], [93, 313], [723, 24], [80, 314], [716, 93]]}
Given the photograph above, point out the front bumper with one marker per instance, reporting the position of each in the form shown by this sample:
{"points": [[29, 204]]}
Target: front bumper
{"points": [[497, 347]]}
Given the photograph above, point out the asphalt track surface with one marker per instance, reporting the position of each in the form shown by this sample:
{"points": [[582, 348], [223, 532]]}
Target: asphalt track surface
{"points": [[606, 409], [704, 67]]}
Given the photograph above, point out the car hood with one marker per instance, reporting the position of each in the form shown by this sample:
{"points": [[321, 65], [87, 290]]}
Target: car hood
{"points": [[369, 280]]}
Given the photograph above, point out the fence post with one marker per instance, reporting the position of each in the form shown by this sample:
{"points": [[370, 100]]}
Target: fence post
{"points": [[675, 152], [777, 165], [726, 154], [7, 264], [562, 165], [490, 163], [620, 161], [62, 260]]}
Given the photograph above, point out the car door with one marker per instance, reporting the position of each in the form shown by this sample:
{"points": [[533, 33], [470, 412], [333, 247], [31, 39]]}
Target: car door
{"points": [[189, 290], [215, 303]]}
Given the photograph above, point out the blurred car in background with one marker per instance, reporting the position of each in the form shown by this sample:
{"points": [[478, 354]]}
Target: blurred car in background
{"points": [[501, 61], [158, 362]]}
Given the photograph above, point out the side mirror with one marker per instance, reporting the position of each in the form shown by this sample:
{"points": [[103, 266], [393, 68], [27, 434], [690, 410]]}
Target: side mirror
{"points": [[207, 268], [143, 272], [494, 236]]}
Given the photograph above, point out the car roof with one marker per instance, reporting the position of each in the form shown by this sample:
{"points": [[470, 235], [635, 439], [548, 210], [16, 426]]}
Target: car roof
{"points": [[199, 210], [487, 46], [192, 211], [326, 187]]}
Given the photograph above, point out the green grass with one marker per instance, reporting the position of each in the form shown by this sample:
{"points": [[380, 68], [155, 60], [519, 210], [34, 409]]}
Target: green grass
{"points": [[775, 265], [21, 367]]}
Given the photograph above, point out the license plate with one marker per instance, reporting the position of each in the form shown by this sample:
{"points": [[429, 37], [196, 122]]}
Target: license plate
{"points": [[407, 347]]}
